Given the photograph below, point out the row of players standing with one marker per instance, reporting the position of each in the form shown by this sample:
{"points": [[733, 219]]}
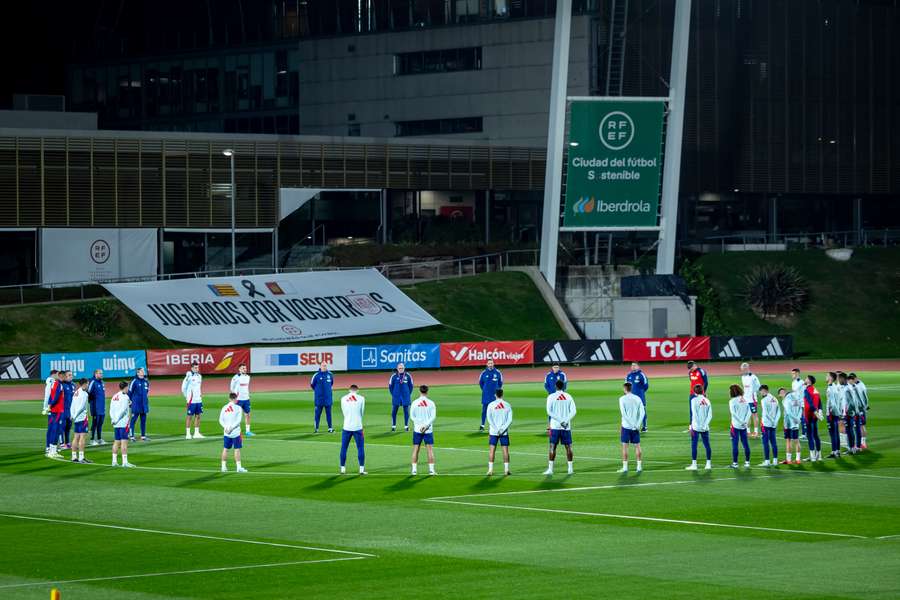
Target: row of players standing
{"points": [[69, 404]]}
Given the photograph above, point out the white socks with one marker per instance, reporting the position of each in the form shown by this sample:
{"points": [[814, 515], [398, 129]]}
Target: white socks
{"points": [[362, 469], [709, 464], [415, 469], [196, 431], [238, 463], [187, 431], [788, 457], [550, 466], [490, 467], [115, 462], [80, 455], [247, 429], [124, 459], [571, 467], [431, 468], [624, 465], [224, 465], [639, 467], [506, 467]]}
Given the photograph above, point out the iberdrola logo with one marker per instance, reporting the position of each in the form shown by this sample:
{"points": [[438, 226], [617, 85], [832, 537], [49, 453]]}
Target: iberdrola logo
{"points": [[225, 362], [584, 205]]}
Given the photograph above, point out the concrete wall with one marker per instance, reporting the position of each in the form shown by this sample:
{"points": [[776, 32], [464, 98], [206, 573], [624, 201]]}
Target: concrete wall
{"points": [[511, 91], [633, 317], [588, 292]]}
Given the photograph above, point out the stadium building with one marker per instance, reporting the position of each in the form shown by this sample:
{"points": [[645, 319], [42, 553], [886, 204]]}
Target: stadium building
{"points": [[407, 120]]}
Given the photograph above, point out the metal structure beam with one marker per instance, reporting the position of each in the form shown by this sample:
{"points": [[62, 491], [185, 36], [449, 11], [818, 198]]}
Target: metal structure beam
{"points": [[555, 139]]}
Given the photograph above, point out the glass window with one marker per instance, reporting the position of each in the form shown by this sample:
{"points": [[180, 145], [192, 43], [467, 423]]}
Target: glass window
{"points": [[439, 126], [438, 61]]}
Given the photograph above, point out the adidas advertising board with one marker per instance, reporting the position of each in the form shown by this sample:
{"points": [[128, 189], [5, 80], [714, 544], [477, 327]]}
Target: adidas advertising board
{"points": [[577, 351], [751, 346], [20, 366], [466, 354]]}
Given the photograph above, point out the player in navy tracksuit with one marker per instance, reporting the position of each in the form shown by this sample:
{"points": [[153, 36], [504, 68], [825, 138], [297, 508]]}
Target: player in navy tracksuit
{"points": [[490, 381], [400, 386], [639, 386], [321, 384], [139, 394], [68, 390], [97, 401], [550, 383]]}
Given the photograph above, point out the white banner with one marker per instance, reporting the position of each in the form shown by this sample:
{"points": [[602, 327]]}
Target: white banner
{"points": [[292, 359], [287, 307], [82, 254]]}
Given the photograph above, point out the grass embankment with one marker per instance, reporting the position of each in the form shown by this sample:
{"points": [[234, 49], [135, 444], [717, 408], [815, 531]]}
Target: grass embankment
{"points": [[853, 310]]}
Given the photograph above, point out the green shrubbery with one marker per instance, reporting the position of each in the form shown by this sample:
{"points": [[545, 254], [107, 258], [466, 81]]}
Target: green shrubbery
{"points": [[96, 318]]}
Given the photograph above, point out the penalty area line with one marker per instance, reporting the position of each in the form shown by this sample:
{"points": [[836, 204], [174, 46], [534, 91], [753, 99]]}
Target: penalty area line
{"points": [[190, 572], [188, 535], [651, 519]]}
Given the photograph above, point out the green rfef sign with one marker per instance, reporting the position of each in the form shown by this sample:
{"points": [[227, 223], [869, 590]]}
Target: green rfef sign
{"points": [[613, 173]]}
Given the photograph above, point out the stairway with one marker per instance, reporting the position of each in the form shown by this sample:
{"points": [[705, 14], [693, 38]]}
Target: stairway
{"points": [[615, 56]]}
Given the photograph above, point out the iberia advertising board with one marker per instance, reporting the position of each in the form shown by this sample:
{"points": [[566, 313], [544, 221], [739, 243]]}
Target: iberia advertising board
{"points": [[682, 348], [461, 354], [212, 360]]}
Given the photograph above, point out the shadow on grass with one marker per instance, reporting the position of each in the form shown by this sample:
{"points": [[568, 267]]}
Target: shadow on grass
{"points": [[328, 483], [406, 483]]}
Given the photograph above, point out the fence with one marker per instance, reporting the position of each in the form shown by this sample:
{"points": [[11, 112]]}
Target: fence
{"points": [[812, 240], [401, 272]]}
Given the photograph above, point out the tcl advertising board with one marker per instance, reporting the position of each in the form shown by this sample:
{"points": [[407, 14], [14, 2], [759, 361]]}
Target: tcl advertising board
{"points": [[650, 349], [212, 361], [463, 354]]}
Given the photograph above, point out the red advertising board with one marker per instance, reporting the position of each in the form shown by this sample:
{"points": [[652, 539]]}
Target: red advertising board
{"points": [[462, 354], [650, 349], [212, 360]]}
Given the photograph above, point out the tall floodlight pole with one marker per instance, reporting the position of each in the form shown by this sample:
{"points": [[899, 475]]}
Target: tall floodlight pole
{"points": [[665, 256], [230, 154], [559, 78]]}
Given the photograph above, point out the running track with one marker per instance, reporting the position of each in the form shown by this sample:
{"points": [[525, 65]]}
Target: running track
{"points": [[271, 383]]}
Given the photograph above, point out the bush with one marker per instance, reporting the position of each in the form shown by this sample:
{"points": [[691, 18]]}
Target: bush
{"points": [[709, 303], [96, 318], [775, 291]]}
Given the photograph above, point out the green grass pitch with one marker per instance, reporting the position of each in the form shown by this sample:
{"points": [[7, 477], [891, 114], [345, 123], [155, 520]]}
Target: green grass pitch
{"points": [[177, 528]]}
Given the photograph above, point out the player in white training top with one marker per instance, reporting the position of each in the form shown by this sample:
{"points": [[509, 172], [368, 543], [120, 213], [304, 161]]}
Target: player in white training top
{"points": [[240, 385]]}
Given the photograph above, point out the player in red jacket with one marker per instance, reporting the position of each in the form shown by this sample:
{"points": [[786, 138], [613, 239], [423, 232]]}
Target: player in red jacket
{"points": [[812, 408]]}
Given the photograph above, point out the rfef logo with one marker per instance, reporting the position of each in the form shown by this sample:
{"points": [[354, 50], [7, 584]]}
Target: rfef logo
{"points": [[616, 130], [458, 354], [658, 349]]}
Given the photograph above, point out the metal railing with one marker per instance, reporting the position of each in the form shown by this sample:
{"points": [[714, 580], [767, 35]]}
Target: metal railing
{"points": [[804, 240], [400, 272]]}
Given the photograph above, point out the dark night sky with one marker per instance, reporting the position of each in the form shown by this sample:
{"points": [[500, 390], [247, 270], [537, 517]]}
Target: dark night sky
{"points": [[37, 38]]}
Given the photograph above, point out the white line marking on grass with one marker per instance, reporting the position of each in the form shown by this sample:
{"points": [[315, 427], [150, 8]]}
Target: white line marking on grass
{"points": [[188, 535], [211, 570], [845, 474], [587, 488], [652, 519], [888, 537]]}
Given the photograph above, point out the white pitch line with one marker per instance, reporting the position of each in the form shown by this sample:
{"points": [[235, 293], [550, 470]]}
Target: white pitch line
{"points": [[888, 537], [188, 535], [587, 488], [211, 570], [652, 519]]}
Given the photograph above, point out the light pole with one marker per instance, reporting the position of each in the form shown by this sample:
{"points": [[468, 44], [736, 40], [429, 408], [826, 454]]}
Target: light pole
{"points": [[230, 154]]}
